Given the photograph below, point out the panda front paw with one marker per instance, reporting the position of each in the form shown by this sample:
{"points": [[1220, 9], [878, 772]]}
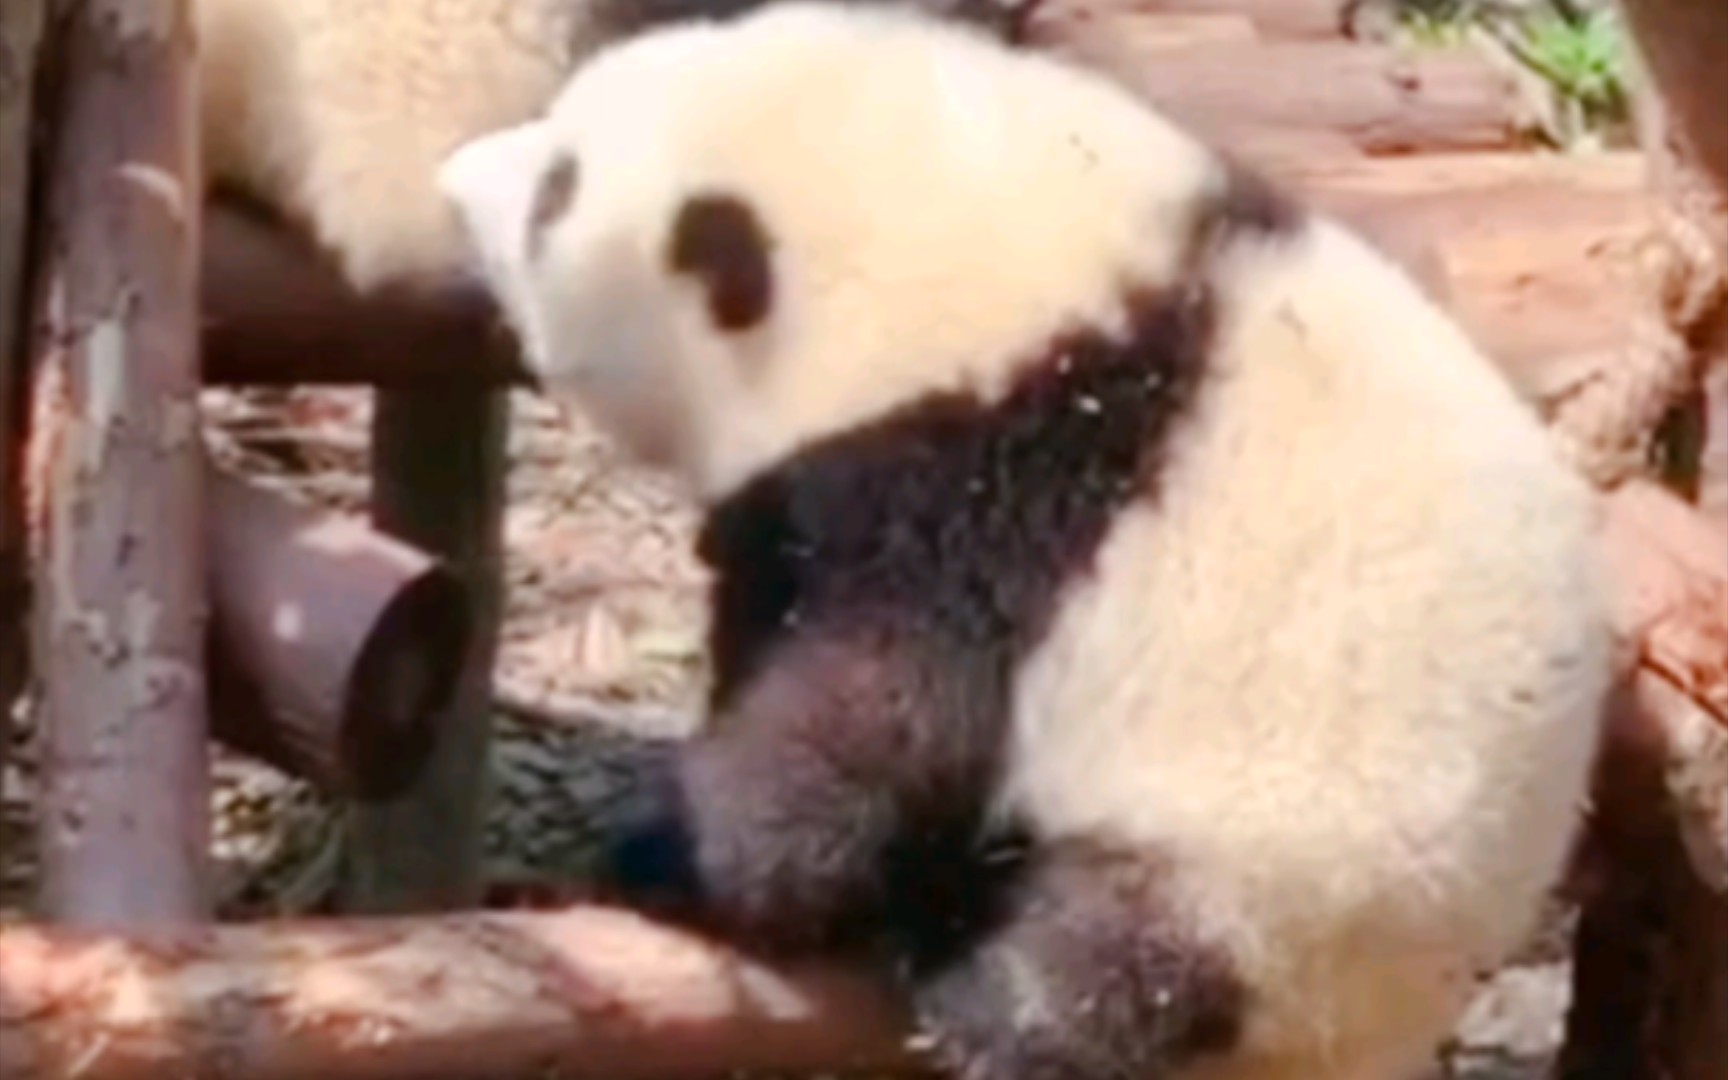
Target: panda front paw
{"points": [[646, 857]]}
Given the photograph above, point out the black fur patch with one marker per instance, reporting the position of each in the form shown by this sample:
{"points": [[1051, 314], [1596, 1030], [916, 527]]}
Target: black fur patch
{"points": [[553, 197], [1093, 976], [1253, 205], [1247, 206], [719, 239], [874, 595]]}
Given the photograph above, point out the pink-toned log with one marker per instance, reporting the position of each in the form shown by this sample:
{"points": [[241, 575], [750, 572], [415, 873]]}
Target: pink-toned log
{"points": [[588, 992]]}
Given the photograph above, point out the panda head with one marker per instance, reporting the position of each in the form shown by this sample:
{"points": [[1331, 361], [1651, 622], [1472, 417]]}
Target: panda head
{"points": [[727, 240]]}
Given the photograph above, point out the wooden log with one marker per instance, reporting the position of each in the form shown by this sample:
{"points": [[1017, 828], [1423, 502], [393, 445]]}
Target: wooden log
{"points": [[584, 993], [334, 648], [119, 574], [1273, 19], [1385, 101], [276, 312], [1540, 253], [438, 470]]}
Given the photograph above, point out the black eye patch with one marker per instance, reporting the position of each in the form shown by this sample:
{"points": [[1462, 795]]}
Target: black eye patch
{"points": [[552, 199], [719, 239]]}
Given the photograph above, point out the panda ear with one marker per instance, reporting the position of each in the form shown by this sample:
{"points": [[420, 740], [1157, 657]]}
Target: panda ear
{"points": [[719, 240]]}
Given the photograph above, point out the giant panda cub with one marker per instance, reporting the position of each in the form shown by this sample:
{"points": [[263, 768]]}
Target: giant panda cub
{"points": [[1138, 610]]}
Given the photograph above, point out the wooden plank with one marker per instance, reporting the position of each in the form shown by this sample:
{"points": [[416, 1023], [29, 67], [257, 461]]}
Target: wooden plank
{"points": [[120, 587], [438, 471]]}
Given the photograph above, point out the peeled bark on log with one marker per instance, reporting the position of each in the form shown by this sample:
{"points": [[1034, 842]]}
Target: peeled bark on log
{"points": [[584, 993], [1385, 101], [121, 610], [334, 648]]}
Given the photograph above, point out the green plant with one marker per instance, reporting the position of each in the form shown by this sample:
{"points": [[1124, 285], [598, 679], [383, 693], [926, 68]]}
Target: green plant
{"points": [[1576, 51], [1582, 56]]}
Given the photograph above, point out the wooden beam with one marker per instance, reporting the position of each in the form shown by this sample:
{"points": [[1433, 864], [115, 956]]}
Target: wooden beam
{"points": [[438, 471], [583, 994], [120, 597]]}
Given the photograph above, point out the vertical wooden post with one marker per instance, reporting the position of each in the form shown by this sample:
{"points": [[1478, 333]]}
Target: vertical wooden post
{"points": [[1650, 992], [20, 31], [120, 608], [438, 483]]}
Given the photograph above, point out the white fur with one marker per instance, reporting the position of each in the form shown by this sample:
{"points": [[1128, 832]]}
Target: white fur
{"points": [[336, 113], [1363, 636], [1348, 669], [1033, 195]]}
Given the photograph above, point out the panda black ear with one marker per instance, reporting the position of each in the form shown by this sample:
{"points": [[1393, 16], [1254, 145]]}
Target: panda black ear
{"points": [[719, 239]]}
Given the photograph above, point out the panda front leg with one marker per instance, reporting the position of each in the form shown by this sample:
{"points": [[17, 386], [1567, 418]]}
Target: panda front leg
{"points": [[1093, 975], [835, 784]]}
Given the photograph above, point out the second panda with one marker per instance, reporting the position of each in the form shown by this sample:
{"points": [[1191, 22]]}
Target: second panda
{"points": [[334, 114], [1139, 612]]}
